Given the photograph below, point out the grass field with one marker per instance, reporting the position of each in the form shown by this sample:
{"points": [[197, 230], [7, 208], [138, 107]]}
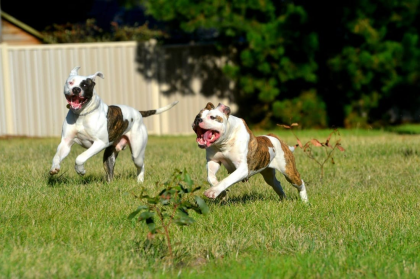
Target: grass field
{"points": [[363, 220], [410, 129]]}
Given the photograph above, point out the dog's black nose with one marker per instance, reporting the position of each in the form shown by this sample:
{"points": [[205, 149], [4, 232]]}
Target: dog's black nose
{"points": [[76, 90], [197, 120]]}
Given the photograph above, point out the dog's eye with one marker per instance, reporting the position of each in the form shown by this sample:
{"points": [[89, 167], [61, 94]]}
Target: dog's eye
{"points": [[212, 117]]}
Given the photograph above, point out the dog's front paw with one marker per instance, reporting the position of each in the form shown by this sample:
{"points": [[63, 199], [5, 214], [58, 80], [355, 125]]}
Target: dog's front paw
{"points": [[80, 169], [212, 193], [54, 170]]}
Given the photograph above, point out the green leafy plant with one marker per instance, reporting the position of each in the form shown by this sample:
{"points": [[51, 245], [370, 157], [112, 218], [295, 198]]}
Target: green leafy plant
{"points": [[327, 146], [170, 206]]}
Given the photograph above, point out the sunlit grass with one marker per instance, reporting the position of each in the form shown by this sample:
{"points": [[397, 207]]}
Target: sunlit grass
{"points": [[363, 220]]}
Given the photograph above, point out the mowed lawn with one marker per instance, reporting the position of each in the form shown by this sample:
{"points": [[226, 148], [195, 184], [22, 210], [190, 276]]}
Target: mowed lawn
{"points": [[363, 220]]}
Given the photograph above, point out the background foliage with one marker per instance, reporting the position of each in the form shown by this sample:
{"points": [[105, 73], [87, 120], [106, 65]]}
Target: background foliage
{"points": [[89, 31], [355, 58], [351, 63]]}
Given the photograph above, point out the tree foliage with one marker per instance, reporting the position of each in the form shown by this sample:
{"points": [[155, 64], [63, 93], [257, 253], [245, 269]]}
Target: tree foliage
{"points": [[377, 66], [89, 32], [355, 57]]}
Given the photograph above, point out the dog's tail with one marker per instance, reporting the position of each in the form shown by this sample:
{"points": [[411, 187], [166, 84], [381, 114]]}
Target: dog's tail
{"points": [[147, 113]]}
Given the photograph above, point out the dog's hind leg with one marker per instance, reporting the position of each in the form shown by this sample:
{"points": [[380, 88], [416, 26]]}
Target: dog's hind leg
{"points": [[300, 186], [292, 176], [110, 157], [284, 162], [138, 141], [291, 173], [138, 160], [269, 175]]}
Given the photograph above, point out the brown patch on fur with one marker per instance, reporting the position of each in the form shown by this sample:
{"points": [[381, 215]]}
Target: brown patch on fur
{"points": [[116, 123], [110, 156], [258, 156], [209, 106], [292, 175], [219, 119], [147, 113]]}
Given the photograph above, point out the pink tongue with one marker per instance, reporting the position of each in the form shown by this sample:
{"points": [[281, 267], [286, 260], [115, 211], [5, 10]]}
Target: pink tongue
{"points": [[75, 102], [207, 135]]}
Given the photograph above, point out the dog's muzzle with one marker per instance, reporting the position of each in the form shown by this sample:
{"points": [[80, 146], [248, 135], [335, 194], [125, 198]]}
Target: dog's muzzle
{"points": [[197, 121], [76, 90], [74, 100], [205, 138]]}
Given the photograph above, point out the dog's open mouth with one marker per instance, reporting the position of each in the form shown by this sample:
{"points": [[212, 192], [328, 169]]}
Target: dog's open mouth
{"points": [[76, 102], [205, 138]]}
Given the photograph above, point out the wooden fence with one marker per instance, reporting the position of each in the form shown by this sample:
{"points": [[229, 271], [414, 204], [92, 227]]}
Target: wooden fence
{"points": [[144, 76]]}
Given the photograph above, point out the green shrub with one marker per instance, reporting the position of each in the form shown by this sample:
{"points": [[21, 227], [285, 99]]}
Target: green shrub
{"points": [[169, 206], [308, 109]]}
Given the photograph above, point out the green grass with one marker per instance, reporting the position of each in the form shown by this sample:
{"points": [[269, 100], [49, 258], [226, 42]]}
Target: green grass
{"points": [[363, 221], [406, 129]]}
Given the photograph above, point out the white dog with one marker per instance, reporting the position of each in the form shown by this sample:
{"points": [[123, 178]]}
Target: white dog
{"points": [[96, 126], [228, 141]]}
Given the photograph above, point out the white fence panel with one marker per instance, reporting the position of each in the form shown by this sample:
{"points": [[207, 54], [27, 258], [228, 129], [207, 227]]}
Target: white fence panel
{"points": [[3, 124], [32, 80]]}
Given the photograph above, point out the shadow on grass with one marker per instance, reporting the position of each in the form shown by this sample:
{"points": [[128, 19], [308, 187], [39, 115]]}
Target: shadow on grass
{"points": [[126, 175], [61, 180], [155, 250], [407, 152], [151, 249], [248, 198]]}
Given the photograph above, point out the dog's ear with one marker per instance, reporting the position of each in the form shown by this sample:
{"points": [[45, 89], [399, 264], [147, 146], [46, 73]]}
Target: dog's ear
{"points": [[224, 109], [99, 74], [209, 106], [74, 71]]}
